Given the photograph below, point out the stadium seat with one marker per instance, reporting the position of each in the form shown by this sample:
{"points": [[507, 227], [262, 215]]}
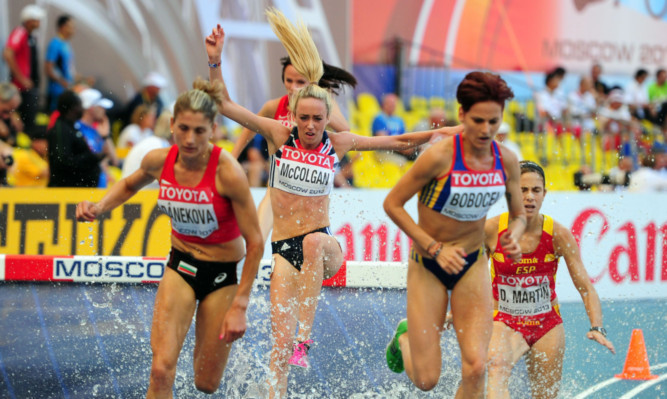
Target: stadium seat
{"points": [[367, 103]]}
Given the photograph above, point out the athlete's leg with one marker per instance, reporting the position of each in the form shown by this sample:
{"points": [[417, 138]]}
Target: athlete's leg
{"points": [[283, 323], [545, 363], [265, 214], [322, 257], [211, 353], [505, 349], [172, 316], [472, 316], [427, 308]]}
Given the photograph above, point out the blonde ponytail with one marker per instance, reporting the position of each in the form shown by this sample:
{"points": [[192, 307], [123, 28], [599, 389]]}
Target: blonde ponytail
{"points": [[299, 45], [303, 54]]}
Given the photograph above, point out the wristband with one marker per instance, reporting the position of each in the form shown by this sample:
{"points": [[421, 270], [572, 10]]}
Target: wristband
{"points": [[438, 248], [601, 330], [428, 249], [215, 65], [437, 251]]}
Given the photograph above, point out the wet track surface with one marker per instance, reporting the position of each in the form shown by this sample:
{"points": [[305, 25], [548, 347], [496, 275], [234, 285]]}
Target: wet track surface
{"points": [[93, 340]]}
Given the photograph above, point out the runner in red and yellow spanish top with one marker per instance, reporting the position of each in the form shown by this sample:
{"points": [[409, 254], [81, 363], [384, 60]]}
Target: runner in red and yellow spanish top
{"points": [[526, 316]]}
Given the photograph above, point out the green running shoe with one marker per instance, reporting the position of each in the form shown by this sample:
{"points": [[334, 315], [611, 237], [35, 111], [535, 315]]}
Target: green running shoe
{"points": [[394, 354]]}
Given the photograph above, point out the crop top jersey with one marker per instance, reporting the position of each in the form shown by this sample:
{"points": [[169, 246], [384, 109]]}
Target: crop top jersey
{"points": [[464, 194], [299, 171], [526, 287], [198, 214], [283, 114]]}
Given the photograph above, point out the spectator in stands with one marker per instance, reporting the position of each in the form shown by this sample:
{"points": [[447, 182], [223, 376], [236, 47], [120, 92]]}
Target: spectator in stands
{"points": [[502, 137], [20, 53], [59, 62], [71, 162], [6, 161], [148, 95], [140, 128], [10, 122], [657, 96], [582, 107], [96, 129], [636, 96], [161, 139], [652, 176], [617, 178], [437, 118], [615, 122], [601, 89], [387, 123], [31, 167], [657, 91], [551, 106]]}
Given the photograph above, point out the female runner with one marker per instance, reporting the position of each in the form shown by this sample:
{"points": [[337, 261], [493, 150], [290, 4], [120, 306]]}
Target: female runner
{"points": [[526, 317], [458, 179], [205, 193], [278, 109], [303, 160]]}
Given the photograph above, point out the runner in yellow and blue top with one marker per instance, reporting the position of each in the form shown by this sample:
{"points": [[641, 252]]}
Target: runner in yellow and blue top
{"points": [[458, 180]]}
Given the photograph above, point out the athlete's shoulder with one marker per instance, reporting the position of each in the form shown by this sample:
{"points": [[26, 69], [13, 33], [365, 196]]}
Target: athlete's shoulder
{"points": [[559, 230], [229, 169], [158, 155], [508, 156], [442, 150], [270, 108]]}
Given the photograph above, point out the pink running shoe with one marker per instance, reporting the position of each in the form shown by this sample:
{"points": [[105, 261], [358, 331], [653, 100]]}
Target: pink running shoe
{"points": [[300, 354]]}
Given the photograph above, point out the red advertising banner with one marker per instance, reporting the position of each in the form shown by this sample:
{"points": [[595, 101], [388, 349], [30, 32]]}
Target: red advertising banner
{"points": [[522, 35]]}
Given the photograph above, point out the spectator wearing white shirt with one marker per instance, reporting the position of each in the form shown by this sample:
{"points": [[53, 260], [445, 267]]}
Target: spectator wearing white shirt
{"points": [[616, 124], [636, 96], [652, 176], [143, 121], [582, 107], [161, 139], [551, 106]]}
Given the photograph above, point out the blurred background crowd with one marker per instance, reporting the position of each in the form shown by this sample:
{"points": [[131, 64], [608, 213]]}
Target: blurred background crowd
{"points": [[62, 128]]}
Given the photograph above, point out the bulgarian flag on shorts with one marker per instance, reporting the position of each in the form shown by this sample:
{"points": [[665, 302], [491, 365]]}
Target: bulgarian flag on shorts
{"points": [[187, 269]]}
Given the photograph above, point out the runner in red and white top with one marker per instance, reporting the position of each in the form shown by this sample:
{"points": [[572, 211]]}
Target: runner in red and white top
{"points": [[333, 79], [204, 191]]}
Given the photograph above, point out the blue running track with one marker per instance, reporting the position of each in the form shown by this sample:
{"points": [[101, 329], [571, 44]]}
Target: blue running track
{"points": [[93, 341]]}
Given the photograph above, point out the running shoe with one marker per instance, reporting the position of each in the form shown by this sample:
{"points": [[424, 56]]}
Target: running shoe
{"points": [[300, 354], [394, 354]]}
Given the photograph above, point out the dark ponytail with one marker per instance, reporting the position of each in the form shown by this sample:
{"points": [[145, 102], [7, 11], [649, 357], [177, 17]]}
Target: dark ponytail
{"points": [[333, 79]]}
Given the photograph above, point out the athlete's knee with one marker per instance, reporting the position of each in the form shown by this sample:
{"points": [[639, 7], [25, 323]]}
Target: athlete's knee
{"points": [[499, 367], [206, 384], [473, 369], [428, 381], [426, 378], [163, 371]]}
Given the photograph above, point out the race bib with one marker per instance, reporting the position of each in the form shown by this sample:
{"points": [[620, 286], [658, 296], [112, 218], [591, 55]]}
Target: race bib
{"points": [[524, 301]]}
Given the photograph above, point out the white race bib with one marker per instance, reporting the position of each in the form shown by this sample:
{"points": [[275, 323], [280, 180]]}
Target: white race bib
{"points": [[524, 301]]}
